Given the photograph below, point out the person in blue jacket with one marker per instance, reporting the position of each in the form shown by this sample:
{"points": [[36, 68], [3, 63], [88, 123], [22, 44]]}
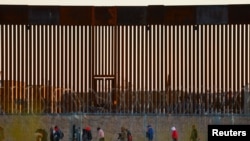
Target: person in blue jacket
{"points": [[150, 133]]}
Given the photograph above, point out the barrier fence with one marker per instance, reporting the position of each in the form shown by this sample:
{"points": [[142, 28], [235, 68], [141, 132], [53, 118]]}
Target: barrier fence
{"points": [[122, 59]]}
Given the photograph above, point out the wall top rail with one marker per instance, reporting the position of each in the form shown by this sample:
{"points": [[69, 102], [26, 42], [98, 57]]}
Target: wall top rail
{"points": [[125, 15]]}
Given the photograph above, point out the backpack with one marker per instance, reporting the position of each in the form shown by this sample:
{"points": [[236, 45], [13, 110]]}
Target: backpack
{"points": [[86, 134], [61, 134]]}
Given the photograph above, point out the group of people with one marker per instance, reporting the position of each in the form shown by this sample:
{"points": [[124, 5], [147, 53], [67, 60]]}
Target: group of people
{"points": [[87, 134], [125, 135], [174, 133]]}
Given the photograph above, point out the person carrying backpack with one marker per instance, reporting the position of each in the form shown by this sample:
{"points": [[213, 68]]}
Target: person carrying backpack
{"points": [[56, 134], [86, 134]]}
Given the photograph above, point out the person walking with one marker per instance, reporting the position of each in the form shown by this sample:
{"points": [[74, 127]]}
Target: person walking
{"points": [[194, 134], [123, 134], [174, 134], [129, 135], [56, 134], [150, 133], [100, 134], [86, 134]]}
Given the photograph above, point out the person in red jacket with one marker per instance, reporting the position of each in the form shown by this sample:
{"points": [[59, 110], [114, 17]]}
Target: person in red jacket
{"points": [[174, 134]]}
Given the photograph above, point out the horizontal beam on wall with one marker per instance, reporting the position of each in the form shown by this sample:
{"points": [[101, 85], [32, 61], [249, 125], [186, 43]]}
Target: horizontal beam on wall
{"points": [[125, 15]]}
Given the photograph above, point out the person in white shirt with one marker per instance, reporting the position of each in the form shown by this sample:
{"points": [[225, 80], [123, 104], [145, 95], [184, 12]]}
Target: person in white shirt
{"points": [[100, 134]]}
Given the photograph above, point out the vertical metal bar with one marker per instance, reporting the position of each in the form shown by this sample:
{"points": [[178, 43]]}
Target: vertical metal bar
{"points": [[214, 65], [79, 77], [233, 67], [102, 50], [185, 69], [218, 49], [76, 59], [3, 47], [230, 58], [226, 65], [246, 54], [163, 79], [38, 78], [41, 68], [92, 62], [147, 34], [117, 46], [46, 56], [171, 76], [134, 56], [66, 56], [22, 67], [166, 69], [210, 67], [177, 65], [34, 63], [142, 66], [6, 70], [197, 79], [147, 76], [206, 66], [72, 60], [222, 45], [27, 69], [243, 74], [82, 63], [13, 71], [194, 69], [174, 68], [72, 65], [238, 69], [138, 62], [99, 50], [84, 57], [115, 60], [181, 68], [125, 55], [124, 39], [108, 67], [201, 84]]}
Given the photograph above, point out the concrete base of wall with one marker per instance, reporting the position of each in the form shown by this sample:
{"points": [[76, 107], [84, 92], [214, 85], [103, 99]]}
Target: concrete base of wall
{"points": [[23, 127]]}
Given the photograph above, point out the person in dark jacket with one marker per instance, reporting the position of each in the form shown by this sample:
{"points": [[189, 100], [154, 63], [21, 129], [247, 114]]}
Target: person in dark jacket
{"points": [[86, 134], [150, 133], [56, 134]]}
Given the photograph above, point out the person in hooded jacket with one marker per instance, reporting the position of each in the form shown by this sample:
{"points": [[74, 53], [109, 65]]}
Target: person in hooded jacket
{"points": [[56, 134], [86, 134], [174, 134], [150, 133]]}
